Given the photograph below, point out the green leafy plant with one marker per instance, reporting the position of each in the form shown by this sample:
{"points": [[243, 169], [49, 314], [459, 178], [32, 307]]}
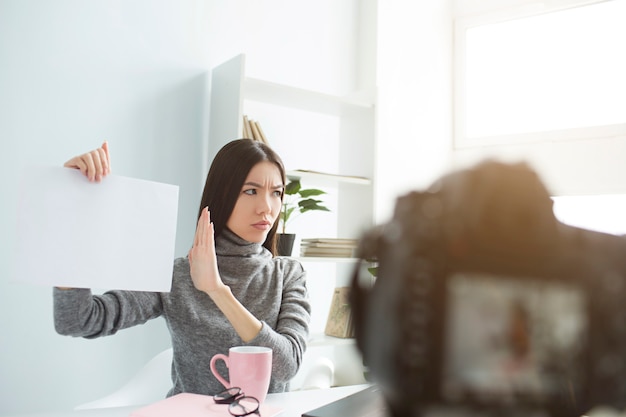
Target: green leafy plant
{"points": [[298, 201]]}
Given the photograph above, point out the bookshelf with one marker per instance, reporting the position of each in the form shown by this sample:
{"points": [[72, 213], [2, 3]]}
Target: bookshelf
{"points": [[327, 142]]}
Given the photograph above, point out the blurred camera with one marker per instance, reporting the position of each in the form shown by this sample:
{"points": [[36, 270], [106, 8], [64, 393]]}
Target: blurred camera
{"points": [[484, 304]]}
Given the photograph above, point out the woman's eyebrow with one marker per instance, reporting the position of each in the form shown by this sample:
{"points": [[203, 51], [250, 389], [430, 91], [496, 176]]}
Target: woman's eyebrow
{"points": [[257, 185]]}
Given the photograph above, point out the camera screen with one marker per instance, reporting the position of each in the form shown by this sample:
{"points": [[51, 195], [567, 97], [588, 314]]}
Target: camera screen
{"points": [[511, 339]]}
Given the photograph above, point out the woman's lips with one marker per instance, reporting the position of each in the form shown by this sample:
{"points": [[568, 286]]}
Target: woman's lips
{"points": [[262, 225]]}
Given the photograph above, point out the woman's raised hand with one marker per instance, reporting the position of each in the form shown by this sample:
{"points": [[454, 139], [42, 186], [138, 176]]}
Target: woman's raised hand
{"points": [[94, 165], [206, 278], [202, 258]]}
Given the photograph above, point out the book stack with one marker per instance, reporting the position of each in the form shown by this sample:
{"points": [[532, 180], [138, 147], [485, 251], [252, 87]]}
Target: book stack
{"points": [[252, 130], [339, 322], [328, 247]]}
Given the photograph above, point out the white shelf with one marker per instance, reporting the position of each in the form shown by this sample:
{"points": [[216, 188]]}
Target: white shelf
{"points": [[322, 178], [325, 259], [330, 259], [320, 339], [287, 96]]}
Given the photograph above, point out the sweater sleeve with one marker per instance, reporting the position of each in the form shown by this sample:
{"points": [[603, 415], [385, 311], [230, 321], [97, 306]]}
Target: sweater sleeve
{"points": [[288, 339], [79, 313]]}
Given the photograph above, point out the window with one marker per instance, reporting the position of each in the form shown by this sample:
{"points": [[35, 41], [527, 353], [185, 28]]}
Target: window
{"points": [[603, 213], [541, 74]]}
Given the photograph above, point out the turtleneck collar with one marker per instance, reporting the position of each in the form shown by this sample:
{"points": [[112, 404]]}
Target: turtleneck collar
{"points": [[230, 244]]}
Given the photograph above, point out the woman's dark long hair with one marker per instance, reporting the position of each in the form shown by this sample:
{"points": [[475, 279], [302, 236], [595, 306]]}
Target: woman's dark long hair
{"points": [[227, 174]]}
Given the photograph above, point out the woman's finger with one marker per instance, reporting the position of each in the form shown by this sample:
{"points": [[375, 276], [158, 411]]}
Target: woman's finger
{"points": [[199, 239], [211, 231], [98, 157], [91, 166], [105, 147], [102, 157], [196, 236], [94, 164], [205, 226], [77, 163], [208, 236]]}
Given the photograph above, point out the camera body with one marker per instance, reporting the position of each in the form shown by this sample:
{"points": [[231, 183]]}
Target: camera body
{"points": [[484, 304]]}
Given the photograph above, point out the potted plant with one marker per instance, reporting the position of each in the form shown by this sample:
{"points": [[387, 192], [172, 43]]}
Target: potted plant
{"points": [[295, 202]]}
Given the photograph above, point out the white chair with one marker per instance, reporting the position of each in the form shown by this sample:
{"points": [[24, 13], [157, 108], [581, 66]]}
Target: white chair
{"points": [[149, 385], [320, 375], [329, 362]]}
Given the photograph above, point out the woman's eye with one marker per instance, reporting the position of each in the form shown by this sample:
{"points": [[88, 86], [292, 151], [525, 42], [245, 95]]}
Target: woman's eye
{"points": [[251, 191], [278, 193]]}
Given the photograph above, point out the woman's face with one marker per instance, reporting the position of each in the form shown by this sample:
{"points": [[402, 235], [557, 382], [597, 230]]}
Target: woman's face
{"points": [[258, 204]]}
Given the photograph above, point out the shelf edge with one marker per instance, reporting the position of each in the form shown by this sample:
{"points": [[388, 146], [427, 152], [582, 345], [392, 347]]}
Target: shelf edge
{"points": [[326, 177]]}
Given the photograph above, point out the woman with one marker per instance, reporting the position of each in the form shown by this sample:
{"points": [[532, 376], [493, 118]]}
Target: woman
{"points": [[230, 290]]}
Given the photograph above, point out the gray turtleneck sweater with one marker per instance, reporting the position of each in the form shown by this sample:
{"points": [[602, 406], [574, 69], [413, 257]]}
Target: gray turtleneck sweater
{"points": [[272, 289]]}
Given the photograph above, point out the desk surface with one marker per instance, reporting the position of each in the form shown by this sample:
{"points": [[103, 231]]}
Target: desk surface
{"points": [[294, 403]]}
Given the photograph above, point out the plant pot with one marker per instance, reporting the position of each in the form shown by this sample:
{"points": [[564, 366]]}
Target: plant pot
{"points": [[284, 243]]}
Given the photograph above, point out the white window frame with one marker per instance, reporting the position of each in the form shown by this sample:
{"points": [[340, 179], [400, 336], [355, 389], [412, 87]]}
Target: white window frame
{"points": [[461, 24]]}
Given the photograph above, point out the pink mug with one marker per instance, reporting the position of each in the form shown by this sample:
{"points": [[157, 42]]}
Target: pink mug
{"points": [[249, 368]]}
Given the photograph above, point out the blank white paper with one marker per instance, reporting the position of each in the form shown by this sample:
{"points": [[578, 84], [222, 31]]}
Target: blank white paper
{"points": [[119, 233]]}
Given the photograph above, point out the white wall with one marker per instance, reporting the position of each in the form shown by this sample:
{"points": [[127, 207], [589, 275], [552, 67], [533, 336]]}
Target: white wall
{"points": [[414, 97], [134, 72], [72, 74]]}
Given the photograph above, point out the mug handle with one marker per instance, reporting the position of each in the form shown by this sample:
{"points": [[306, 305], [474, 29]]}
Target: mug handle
{"points": [[214, 371]]}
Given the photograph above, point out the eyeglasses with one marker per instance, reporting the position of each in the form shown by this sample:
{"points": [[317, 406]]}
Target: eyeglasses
{"points": [[239, 404]]}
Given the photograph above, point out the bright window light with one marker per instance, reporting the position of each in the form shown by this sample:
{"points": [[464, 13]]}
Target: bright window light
{"points": [[560, 70], [602, 213]]}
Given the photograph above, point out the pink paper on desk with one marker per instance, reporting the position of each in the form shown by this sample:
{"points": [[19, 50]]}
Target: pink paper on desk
{"points": [[193, 405]]}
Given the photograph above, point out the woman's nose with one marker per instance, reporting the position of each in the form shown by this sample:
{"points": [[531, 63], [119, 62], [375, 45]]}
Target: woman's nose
{"points": [[265, 204]]}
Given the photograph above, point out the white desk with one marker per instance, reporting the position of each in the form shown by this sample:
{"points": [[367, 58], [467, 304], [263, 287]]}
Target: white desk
{"points": [[297, 402], [294, 403]]}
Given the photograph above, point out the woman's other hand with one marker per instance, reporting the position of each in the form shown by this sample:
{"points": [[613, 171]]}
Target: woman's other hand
{"points": [[206, 278], [202, 258], [94, 165]]}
